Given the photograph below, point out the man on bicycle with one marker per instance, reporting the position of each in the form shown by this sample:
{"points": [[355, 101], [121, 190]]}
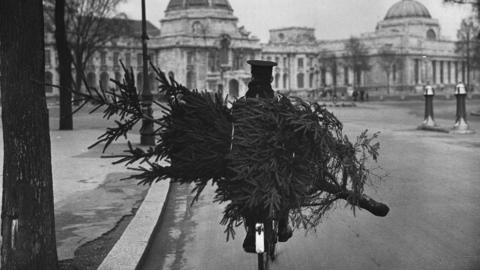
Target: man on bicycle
{"points": [[260, 87]]}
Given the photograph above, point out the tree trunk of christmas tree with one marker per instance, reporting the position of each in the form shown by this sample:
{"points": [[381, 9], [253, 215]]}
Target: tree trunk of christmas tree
{"points": [[28, 227], [65, 68]]}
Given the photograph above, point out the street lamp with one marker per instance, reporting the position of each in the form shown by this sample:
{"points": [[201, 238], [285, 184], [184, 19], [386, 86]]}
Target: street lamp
{"points": [[146, 132]]}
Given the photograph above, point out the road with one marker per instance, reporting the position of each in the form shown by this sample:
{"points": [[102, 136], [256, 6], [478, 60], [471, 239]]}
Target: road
{"points": [[432, 188]]}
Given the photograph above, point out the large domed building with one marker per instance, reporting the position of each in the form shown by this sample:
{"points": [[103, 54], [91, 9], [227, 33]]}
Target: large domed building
{"points": [[201, 43], [407, 42]]}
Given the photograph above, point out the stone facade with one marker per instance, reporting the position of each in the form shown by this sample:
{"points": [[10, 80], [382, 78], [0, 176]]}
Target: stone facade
{"points": [[201, 43]]}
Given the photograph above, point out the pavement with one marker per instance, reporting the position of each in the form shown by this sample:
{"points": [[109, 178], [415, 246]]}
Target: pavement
{"points": [[89, 195], [432, 188]]}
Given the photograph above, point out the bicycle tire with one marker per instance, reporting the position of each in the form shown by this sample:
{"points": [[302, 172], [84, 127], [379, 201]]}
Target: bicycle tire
{"points": [[273, 239], [263, 259]]}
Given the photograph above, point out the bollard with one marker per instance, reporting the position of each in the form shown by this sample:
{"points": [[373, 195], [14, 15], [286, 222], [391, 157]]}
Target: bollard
{"points": [[461, 125], [429, 121], [429, 93]]}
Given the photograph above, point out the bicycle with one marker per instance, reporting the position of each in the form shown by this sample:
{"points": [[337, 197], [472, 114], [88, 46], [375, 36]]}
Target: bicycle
{"points": [[266, 232], [266, 238]]}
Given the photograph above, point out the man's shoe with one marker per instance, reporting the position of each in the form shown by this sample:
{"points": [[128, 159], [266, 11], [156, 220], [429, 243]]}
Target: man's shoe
{"points": [[284, 233], [249, 242]]}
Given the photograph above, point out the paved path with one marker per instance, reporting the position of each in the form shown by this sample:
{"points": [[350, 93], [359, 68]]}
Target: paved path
{"points": [[433, 190], [89, 196]]}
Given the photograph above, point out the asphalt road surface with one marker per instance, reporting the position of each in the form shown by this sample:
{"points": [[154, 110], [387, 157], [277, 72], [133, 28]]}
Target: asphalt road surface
{"points": [[432, 188]]}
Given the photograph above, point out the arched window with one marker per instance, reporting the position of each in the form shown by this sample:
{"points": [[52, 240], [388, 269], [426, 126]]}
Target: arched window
{"points": [[139, 82], [324, 76], [233, 89], [191, 80], [48, 82], [152, 83], [104, 81], [212, 65], [277, 80], [285, 78], [224, 45], [197, 28], [431, 34], [300, 80], [91, 79], [310, 80]]}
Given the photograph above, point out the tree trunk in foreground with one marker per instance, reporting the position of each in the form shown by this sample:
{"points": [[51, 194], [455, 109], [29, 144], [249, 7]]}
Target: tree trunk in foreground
{"points": [[65, 67], [28, 226]]}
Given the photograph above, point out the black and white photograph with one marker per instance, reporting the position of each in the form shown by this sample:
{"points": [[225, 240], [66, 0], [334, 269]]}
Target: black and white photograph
{"points": [[240, 134]]}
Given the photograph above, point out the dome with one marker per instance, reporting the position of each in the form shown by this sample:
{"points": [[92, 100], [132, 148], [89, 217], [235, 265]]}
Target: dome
{"points": [[187, 4], [407, 9]]}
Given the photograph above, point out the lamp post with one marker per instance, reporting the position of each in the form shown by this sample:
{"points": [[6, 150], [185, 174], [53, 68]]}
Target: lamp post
{"points": [[146, 132]]}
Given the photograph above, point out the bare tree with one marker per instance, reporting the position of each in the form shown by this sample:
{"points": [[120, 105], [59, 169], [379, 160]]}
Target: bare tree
{"points": [[90, 28], [388, 58], [467, 44], [28, 225], [356, 56], [329, 60]]}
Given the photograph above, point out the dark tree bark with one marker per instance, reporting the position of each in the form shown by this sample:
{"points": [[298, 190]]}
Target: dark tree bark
{"points": [[28, 226], [65, 68]]}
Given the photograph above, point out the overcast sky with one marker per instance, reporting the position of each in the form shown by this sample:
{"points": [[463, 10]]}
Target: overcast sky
{"points": [[331, 18]]}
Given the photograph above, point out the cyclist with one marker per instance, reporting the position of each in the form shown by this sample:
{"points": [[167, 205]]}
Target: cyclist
{"points": [[260, 87]]}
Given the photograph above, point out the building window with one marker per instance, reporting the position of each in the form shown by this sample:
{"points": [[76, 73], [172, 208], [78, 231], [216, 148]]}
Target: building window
{"points": [[456, 72], [416, 71], [48, 59], [139, 82], [224, 45], [104, 81], [334, 75], [191, 80], [190, 58], [197, 28], [441, 71], [238, 61], [300, 82], [139, 60], [300, 62], [310, 80], [345, 75], [103, 58], [285, 62], [394, 73], [128, 59], [434, 71], [212, 67], [324, 77], [285, 78], [269, 58], [449, 70], [116, 55], [463, 72], [277, 80], [431, 34]]}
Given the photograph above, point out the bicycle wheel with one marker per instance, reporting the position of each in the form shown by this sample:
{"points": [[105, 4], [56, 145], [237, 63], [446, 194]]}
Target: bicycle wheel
{"points": [[273, 239], [263, 263]]}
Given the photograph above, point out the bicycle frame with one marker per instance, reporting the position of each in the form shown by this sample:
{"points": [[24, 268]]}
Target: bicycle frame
{"points": [[265, 241]]}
